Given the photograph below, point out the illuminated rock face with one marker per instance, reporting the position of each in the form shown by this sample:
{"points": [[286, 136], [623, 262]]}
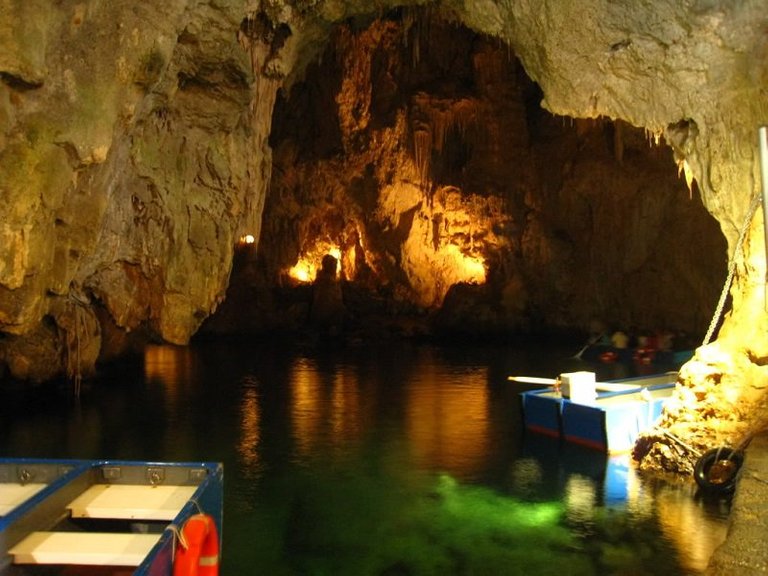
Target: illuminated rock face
{"points": [[128, 173], [418, 151]]}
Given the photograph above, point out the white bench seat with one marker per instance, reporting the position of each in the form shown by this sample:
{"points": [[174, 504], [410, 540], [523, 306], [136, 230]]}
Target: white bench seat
{"points": [[11, 494], [89, 548], [131, 502]]}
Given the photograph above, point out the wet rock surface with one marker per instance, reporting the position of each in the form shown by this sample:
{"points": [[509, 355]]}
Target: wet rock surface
{"points": [[719, 401], [744, 551]]}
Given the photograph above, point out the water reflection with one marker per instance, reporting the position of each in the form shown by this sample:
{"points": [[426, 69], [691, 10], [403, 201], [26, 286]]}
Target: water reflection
{"points": [[606, 499], [307, 413], [447, 421], [694, 525], [250, 433], [376, 461], [326, 408], [580, 499], [174, 366], [171, 377]]}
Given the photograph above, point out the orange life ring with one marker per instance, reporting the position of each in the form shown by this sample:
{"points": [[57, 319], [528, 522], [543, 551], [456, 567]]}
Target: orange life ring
{"points": [[197, 552]]}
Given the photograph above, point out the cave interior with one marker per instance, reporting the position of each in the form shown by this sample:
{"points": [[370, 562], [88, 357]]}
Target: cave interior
{"points": [[416, 152], [267, 167]]}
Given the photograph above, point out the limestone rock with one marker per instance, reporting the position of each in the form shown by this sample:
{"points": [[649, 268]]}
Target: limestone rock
{"points": [[128, 170]]}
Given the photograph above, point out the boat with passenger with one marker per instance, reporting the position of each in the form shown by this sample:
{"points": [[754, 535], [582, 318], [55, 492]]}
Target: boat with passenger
{"points": [[662, 348]]}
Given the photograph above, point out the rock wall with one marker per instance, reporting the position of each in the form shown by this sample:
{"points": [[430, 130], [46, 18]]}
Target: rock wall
{"points": [[132, 152], [690, 72]]}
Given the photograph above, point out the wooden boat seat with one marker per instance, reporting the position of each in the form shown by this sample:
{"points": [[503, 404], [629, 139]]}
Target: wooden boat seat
{"points": [[89, 548], [11, 495], [131, 502]]}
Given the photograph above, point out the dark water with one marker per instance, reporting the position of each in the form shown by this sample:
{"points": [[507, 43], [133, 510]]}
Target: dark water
{"points": [[391, 460]]}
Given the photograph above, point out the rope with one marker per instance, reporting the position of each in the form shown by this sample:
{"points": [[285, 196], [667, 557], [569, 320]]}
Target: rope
{"points": [[731, 269], [178, 538], [178, 533], [754, 476], [79, 303], [79, 318], [197, 505], [688, 447]]}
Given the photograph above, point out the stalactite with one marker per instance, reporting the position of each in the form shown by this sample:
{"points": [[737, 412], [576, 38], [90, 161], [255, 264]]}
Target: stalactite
{"points": [[422, 145], [493, 68], [411, 27], [435, 120], [262, 39], [78, 334], [417, 25]]}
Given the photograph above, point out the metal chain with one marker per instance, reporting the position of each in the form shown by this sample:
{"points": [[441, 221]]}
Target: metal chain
{"points": [[731, 269]]}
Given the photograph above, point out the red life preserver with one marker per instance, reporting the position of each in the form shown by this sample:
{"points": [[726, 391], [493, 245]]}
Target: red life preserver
{"points": [[644, 355], [608, 356], [200, 556]]}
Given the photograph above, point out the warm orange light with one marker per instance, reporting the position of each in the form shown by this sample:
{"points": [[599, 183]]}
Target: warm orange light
{"points": [[335, 252], [305, 269], [248, 446], [327, 410], [167, 364], [446, 418], [468, 268], [247, 239], [474, 268]]}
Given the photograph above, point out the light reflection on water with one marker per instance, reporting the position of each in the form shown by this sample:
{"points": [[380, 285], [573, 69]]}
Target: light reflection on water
{"points": [[447, 422], [250, 430], [382, 461]]}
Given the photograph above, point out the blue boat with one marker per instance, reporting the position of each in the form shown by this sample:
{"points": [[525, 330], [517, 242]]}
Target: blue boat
{"points": [[109, 517], [611, 422]]}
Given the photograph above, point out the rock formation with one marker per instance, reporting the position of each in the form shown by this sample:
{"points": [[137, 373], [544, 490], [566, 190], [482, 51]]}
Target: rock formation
{"points": [[136, 151], [458, 185], [133, 153]]}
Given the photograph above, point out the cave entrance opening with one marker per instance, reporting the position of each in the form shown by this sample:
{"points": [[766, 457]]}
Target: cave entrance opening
{"points": [[417, 153]]}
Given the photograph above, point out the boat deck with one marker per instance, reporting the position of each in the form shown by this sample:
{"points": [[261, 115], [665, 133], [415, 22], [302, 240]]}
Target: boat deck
{"points": [[84, 549], [99, 516], [11, 494], [644, 395], [106, 502], [131, 502]]}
